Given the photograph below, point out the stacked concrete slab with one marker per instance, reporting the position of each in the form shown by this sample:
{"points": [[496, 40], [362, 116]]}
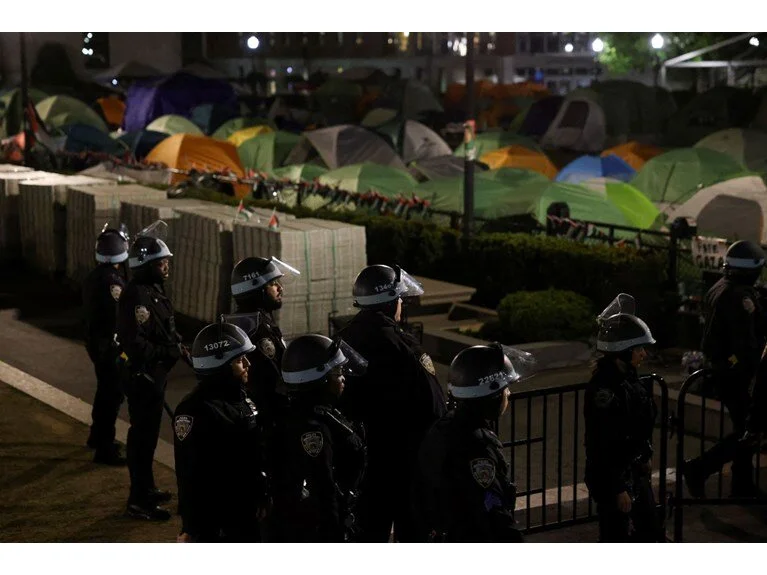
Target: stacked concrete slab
{"points": [[88, 209], [10, 234], [43, 218], [329, 256]]}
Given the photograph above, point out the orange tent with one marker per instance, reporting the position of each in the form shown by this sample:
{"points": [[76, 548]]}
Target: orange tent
{"points": [[635, 154], [520, 157], [113, 109], [187, 151], [523, 89]]}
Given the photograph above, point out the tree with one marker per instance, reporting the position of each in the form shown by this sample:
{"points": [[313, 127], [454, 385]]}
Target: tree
{"points": [[631, 51]]}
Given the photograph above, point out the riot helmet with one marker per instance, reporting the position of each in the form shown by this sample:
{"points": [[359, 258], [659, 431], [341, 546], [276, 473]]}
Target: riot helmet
{"points": [[484, 371], [112, 245], [309, 359], [251, 275], [744, 261], [619, 329], [149, 245], [217, 345], [378, 285]]}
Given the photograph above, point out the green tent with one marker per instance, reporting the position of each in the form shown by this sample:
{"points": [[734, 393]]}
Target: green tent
{"points": [[236, 124], [299, 172], [749, 147], [266, 152], [58, 111], [172, 125], [366, 177], [675, 176], [11, 120], [489, 141], [378, 117], [635, 206], [512, 177]]}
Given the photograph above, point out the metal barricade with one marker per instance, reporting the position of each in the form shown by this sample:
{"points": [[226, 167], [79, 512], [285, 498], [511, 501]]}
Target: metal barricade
{"points": [[551, 425], [702, 377]]}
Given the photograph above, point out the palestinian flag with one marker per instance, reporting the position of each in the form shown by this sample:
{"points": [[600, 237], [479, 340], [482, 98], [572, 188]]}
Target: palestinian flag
{"points": [[274, 221], [242, 210]]}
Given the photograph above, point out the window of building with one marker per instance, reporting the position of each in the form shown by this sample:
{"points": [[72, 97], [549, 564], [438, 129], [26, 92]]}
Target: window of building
{"points": [[536, 43], [522, 43], [552, 43], [340, 38], [582, 71]]}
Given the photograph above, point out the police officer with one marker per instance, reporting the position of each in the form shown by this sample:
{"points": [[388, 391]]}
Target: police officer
{"points": [[397, 400], [221, 486], [101, 292], [147, 334], [619, 414], [733, 339], [257, 291], [320, 455], [464, 492]]}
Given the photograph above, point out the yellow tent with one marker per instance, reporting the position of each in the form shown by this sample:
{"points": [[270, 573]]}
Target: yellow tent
{"points": [[635, 154], [246, 134], [187, 151], [520, 157]]}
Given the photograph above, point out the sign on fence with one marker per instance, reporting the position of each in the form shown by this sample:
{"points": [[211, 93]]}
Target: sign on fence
{"points": [[708, 253]]}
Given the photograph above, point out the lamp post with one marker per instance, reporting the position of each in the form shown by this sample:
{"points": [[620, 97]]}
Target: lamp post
{"points": [[469, 127], [597, 46], [657, 43]]}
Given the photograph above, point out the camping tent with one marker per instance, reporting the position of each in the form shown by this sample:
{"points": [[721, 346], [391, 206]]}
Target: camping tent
{"points": [[236, 124], [267, 151], [411, 98], [580, 124], [59, 111], [366, 177], [299, 172], [520, 157], [209, 117], [172, 125], [633, 110], [413, 140], [735, 209], [142, 142], [536, 119], [637, 208], [187, 152], [337, 99], [488, 141], [113, 110], [10, 110], [378, 117], [177, 94], [448, 166], [340, 146], [748, 147], [240, 136], [634, 153], [85, 138], [587, 167], [676, 176]]}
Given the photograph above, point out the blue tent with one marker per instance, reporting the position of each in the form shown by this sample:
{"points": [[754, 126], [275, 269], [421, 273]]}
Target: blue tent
{"points": [[177, 94], [142, 142], [588, 167], [84, 138], [209, 117]]}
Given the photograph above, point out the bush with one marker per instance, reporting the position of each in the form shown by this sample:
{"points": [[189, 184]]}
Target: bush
{"points": [[526, 316]]}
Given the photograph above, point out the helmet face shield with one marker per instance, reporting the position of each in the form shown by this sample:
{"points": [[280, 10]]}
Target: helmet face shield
{"points": [[354, 365], [408, 286], [623, 303], [491, 369], [339, 354], [523, 362], [157, 230], [288, 275]]}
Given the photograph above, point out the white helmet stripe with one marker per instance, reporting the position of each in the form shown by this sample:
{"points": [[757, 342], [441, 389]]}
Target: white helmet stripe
{"points": [[746, 264], [254, 284]]}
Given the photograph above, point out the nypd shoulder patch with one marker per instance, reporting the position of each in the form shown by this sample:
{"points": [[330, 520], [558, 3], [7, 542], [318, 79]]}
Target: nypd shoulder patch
{"points": [[483, 471], [142, 314], [604, 397], [312, 442], [182, 425], [427, 363], [115, 291], [748, 305]]}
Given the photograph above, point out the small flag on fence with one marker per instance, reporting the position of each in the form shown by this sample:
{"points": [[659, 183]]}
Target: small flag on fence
{"points": [[242, 210], [274, 221]]}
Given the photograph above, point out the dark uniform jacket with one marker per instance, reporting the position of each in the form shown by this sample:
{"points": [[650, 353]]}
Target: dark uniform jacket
{"points": [[619, 413], [399, 397], [221, 485], [319, 463], [463, 490], [264, 376], [734, 325], [101, 292], [146, 329]]}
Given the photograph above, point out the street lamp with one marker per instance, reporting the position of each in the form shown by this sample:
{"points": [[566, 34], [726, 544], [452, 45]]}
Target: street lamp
{"points": [[657, 42], [597, 45], [754, 41], [568, 47], [253, 43]]}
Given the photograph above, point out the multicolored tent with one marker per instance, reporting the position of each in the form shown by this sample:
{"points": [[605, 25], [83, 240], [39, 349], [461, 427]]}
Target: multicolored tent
{"points": [[580, 124], [520, 157], [236, 124], [59, 111], [299, 172], [267, 151], [634, 205], [173, 125], [535, 120], [634, 153], [676, 176], [187, 152], [748, 147], [587, 167], [488, 141], [368, 177]]}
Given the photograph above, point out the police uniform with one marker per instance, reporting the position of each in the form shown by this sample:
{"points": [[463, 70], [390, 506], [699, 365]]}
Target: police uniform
{"points": [[101, 292], [619, 414], [319, 462], [397, 401], [221, 484], [464, 492]]}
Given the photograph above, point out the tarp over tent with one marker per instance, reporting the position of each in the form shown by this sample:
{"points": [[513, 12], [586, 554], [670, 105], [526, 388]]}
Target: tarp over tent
{"points": [[340, 146], [172, 124], [587, 167], [580, 124], [634, 153], [367, 177], [520, 157], [735, 209], [748, 147], [488, 141], [176, 94], [676, 176], [267, 151], [413, 140], [448, 166], [59, 111], [187, 152]]}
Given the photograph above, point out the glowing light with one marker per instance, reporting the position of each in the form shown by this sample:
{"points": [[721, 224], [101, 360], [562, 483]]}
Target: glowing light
{"points": [[290, 69], [597, 45], [114, 81], [568, 47], [253, 43], [85, 51], [657, 42], [754, 41], [90, 35], [406, 34]]}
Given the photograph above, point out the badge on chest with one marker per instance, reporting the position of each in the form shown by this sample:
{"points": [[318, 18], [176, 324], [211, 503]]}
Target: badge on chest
{"points": [[266, 346], [142, 314], [312, 443]]}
